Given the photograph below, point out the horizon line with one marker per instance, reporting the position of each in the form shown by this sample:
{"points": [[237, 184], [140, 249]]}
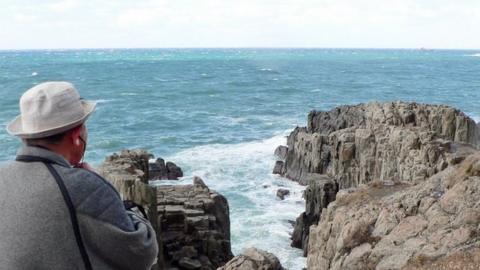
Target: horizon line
{"points": [[240, 48]]}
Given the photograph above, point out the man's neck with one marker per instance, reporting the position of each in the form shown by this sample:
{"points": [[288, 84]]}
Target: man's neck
{"points": [[56, 148]]}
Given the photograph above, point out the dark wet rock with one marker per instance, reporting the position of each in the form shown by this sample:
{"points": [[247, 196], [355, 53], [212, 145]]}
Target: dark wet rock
{"points": [[320, 192], [159, 170], [278, 169], [281, 193]]}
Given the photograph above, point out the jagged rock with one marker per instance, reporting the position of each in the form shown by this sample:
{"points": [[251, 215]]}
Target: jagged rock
{"points": [[195, 226], [191, 221], [382, 144], [128, 165], [253, 259], [159, 170], [278, 169], [281, 193], [321, 191], [128, 173], [393, 141], [402, 225], [281, 152]]}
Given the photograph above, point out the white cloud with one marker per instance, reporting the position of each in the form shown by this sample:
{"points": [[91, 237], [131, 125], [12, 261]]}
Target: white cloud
{"points": [[227, 23], [63, 6], [24, 18]]}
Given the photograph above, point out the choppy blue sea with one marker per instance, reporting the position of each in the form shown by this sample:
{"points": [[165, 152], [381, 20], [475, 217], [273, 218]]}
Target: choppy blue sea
{"points": [[220, 113]]}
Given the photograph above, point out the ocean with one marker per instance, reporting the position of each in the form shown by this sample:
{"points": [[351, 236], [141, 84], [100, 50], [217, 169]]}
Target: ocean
{"points": [[220, 113]]}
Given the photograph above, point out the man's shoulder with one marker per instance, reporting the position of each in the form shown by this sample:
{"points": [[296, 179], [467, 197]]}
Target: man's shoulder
{"points": [[84, 181], [92, 195]]}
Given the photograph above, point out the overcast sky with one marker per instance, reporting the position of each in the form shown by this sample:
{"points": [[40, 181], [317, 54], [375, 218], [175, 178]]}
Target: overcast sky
{"points": [[33, 24]]}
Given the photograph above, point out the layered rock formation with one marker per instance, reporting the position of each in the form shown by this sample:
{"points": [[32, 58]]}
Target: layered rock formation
{"points": [[253, 259], [191, 221], [392, 141], [195, 226], [390, 146], [412, 226]]}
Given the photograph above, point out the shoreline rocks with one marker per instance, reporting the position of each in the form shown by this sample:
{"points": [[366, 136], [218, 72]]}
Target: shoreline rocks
{"points": [[378, 192], [191, 221]]}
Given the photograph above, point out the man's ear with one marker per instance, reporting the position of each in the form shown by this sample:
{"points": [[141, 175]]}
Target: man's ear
{"points": [[75, 135]]}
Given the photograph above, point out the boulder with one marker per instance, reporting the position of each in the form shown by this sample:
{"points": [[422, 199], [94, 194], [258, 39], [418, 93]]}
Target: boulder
{"points": [[281, 193], [278, 169], [253, 259], [159, 170]]}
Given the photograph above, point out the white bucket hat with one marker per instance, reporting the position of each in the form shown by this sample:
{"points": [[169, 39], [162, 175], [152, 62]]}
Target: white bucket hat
{"points": [[49, 108]]}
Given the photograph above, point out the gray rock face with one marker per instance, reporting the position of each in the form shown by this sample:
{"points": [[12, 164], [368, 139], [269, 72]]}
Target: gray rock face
{"points": [[430, 225], [191, 221], [253, 259], [281, 152], [195, 226], [392, 141], [407, 176]]}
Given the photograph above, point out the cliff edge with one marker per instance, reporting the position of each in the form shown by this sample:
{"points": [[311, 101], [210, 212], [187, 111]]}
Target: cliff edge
{"points": [[389, 185]]}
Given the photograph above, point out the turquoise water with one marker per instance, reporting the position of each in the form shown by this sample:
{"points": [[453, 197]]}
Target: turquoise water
{"points": [[220, 113]]}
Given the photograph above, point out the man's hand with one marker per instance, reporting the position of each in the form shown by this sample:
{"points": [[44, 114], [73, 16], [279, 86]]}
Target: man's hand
{"points": [[86, 166]]}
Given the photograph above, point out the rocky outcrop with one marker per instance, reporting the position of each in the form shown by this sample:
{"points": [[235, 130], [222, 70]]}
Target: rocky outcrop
{"points": [[392, 141], [195, 226], [191, 221], [253, 259], [430, 225], [389, 146]]}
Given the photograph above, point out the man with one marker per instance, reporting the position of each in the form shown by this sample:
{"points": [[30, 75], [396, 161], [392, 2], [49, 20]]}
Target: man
{"points": [[57, 213]]}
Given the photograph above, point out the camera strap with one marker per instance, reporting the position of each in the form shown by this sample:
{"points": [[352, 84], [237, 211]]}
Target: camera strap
{"points": [[68, 202]]}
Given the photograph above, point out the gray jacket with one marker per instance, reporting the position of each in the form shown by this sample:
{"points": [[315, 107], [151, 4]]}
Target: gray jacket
{"points": [[35, 227]]}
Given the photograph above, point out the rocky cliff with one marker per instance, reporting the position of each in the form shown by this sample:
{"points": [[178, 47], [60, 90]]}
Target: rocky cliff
{"points": [[191, 221], [392, 141], [430, 225], [391, 147]]}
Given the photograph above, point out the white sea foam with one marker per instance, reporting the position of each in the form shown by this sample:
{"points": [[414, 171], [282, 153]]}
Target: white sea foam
{"points": [[242, 172], [474, 55], [103, 100], [34, 74], [316, 90]]}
